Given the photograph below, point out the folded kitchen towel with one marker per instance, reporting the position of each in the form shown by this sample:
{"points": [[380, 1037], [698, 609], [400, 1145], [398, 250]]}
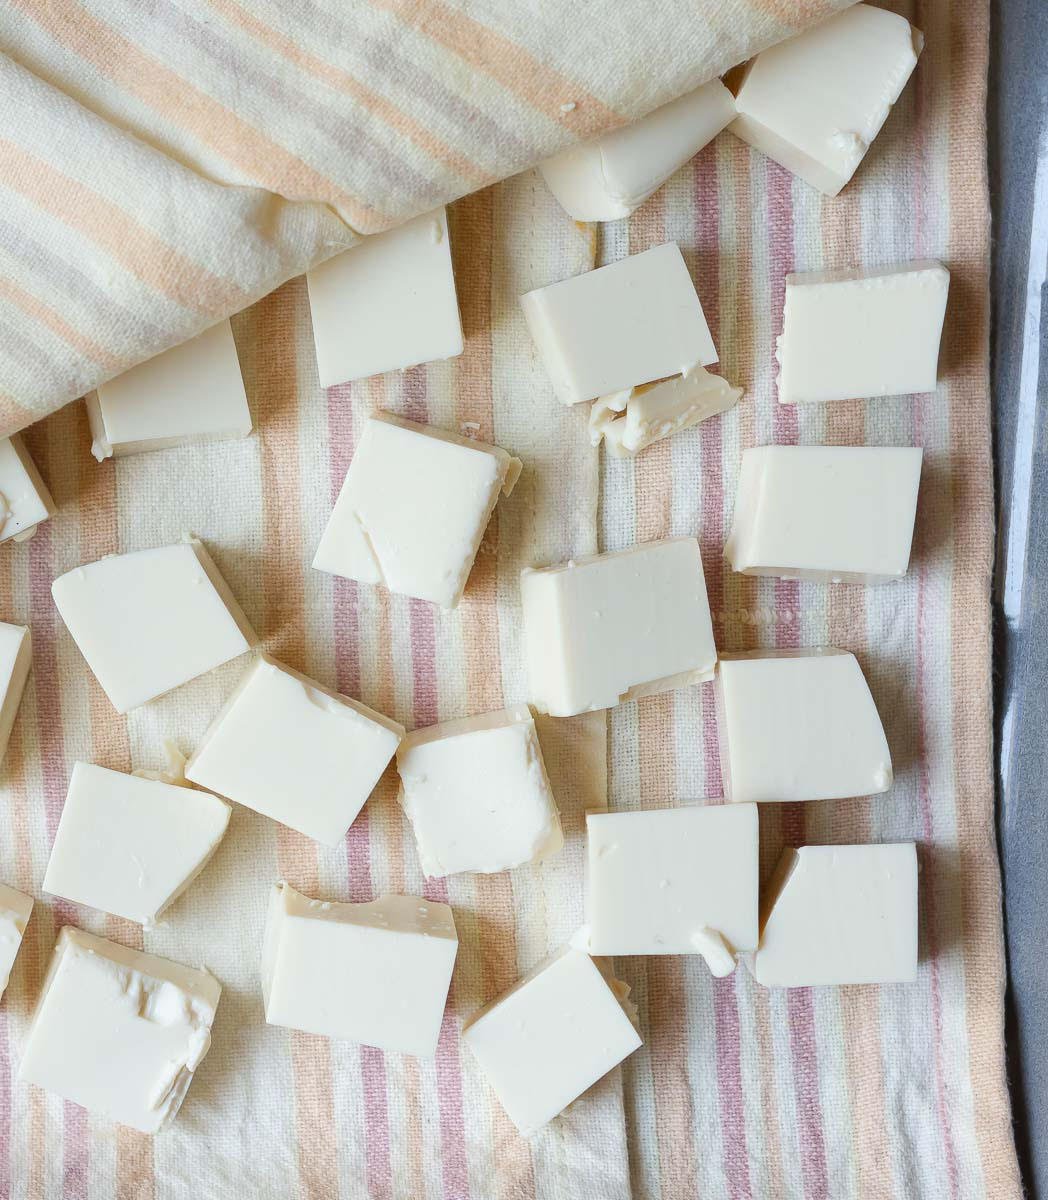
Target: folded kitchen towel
{"points": [[164, 164]]}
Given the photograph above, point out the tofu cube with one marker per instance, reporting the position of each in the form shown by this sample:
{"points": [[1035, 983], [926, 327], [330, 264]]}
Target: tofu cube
{"points": [[24, 498], [413, 509], [674, 881], [375, 973], [799, 725], [815, 102], [295, 751], [612, 176], [633, 321], [16, 657], [131, 846], [551, 1037], [839, 915], [855, 334], [612, 627], [833, 514], [151, 620], [630, 421], [119, 1032], [191, 393], [386, 303], [15, 910], [477, 794]]}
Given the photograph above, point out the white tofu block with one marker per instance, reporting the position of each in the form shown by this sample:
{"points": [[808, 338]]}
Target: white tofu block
{"points": [[613, 175], [839, 915], [24, 498], [151, 620], [477, 794], [295, 751], [815, 102], [15, 909], [629, 421], [855, 334], [131, 846], [374, 973], [413, 509], [191, 393], [16, 657], [839, 514], [386, 303], [799, 725], [612, 627], [633, 321], [119, 1032], [551, 1037], [663, 881]]}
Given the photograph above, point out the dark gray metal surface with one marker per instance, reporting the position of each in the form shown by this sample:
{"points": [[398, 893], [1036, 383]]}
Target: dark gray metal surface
{"points": [[1018, 139]]}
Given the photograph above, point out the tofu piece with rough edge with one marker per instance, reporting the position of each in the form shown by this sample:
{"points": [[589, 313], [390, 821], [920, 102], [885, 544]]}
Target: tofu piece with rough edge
{"points": [[24, 498], [832, 514], [632, 420], [612, 627], [837, 915], [377, 973], [477, 794], [119, 1032], [386, 303], [634, 321], [612, 176], [191, 393], [131, 846], [149, 621], [295, 751], [551, 1037], [799, 725], [815, 102], [413, 509], [673, 881], [858, 334], [16, 658], [15, 910]]}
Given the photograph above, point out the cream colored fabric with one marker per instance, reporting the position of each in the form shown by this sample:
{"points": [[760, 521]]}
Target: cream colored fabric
{"points": [[163, 165]]}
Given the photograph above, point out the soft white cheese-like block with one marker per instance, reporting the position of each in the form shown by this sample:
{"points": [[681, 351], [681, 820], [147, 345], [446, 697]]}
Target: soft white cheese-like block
{"points": [[117, 1031], [191, 393], [295, 751], [15, 910], [799, 725], [612, 627], [838, 915], [815, 102], [477, 794], [855, 334], [413, 509], [613, 175], [633, 321], [551, 1037], [386, 303], [842, 514], [24, 498], [374, 973], [131, 846], [151, 620], [662, 881], [629, 421], [16, 657]]}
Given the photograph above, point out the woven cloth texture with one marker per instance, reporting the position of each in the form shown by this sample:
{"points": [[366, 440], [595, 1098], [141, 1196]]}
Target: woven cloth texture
{"points": [[738, 1092], [165, 163]]}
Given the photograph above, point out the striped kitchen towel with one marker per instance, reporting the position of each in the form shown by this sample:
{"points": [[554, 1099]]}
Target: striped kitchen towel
{"points": [[738, 1093], [165, 163]]}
